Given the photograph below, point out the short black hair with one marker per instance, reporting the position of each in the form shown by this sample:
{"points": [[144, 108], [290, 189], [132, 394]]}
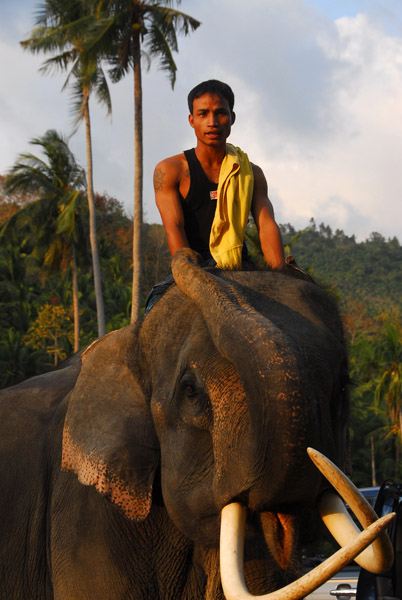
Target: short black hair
{"points": [[212, 86]]}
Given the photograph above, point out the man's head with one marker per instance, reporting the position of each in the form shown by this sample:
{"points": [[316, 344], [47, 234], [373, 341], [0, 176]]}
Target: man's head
{"points": [[211, 112], [213, 87]]}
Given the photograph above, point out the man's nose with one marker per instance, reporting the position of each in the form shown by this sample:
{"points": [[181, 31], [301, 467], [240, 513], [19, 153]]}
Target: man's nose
{"points": [[212, 120]]}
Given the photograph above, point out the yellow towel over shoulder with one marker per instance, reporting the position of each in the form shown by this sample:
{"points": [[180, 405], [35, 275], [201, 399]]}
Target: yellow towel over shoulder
{"points": [[235, 192]]}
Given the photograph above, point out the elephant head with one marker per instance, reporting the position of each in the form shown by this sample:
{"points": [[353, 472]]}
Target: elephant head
{"points": [[214, 399]]}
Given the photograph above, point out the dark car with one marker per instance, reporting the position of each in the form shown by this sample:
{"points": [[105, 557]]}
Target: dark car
{"points": [[355, 583]]}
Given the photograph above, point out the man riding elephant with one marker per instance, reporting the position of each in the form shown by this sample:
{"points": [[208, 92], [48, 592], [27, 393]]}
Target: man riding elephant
{"points": [[205, 194]]}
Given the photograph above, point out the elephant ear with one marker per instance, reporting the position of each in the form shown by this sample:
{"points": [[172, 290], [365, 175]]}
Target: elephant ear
{"points": [[109, 439]]}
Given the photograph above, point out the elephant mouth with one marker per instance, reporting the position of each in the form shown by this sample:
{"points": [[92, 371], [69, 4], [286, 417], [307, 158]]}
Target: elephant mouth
{"points": [[275, 531], [370, 548]]}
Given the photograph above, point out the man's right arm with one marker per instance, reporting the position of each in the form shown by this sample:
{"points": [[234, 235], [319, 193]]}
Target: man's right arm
{"points": [[166, 186]]}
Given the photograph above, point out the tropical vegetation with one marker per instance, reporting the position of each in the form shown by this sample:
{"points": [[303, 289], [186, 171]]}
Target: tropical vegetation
{"points": [[51, 222], [64, 29], [80, 35]]}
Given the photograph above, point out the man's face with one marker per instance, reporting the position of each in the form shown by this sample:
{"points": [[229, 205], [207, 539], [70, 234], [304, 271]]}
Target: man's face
{"points": [[211, 119]]}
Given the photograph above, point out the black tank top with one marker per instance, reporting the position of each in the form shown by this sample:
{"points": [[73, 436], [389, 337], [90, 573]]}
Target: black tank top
{"points": [[198, 206]]}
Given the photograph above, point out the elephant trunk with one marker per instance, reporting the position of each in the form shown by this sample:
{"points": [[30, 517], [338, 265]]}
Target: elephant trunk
{"points": [[282, 417]]}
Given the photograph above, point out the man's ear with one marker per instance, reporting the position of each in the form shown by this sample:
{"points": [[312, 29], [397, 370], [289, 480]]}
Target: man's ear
{"points": [[233, 117], [191, 120]]}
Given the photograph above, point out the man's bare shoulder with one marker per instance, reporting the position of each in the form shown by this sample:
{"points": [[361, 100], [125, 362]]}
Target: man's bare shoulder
{"points": [[259, 177], [258, 172], [169, 171]]}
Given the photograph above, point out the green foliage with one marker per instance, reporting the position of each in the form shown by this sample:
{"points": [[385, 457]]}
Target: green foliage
{"points": [[365, 276], [375, 358], [153, 26], [51, 331], [157, 256], [368, 271], [72, 32]]}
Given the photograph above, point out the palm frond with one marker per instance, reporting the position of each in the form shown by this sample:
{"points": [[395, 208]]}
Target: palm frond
{"points": [[70, 75], [146, 58], [66, 221], [159, 46], [166, 18], [44, 39], [117, 71], [28, 174], [76, 104], [51, 11], [58, 63], [102, 91], [76, 35], [162, 21], [99, 36]]}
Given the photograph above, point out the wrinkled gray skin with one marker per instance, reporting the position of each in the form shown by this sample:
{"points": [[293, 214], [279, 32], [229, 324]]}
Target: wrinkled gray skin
{"points": [[214, 398]]}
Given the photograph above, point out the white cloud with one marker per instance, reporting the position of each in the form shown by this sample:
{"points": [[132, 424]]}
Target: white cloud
{"points": [[317, 101]]}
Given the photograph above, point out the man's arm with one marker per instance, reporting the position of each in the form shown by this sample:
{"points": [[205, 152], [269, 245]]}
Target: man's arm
{"points": [[166, 186], [268, 230]]}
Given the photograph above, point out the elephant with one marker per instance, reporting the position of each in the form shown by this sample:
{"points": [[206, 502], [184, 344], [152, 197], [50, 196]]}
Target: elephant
{"points": [[116, 467]]}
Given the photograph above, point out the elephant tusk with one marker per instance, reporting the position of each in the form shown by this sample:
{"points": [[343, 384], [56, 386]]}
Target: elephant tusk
{"points": [[233, 521], [379, 556]]}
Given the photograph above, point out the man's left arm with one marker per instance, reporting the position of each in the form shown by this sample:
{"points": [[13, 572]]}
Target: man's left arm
{"points": [[268, 230]]}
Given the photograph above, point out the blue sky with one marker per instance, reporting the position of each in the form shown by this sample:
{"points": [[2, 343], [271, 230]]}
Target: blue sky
{"points": [[388, 12], [318, 88]]}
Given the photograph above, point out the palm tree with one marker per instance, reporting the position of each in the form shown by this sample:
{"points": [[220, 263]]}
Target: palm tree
{"points": [[71, 30], [389, 386], [50, 221], [142, 28]]}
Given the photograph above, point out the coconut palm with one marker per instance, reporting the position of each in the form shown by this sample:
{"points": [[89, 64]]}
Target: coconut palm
{"points": [[142, 29], [51, 222], [71, 30], [389, 387]]}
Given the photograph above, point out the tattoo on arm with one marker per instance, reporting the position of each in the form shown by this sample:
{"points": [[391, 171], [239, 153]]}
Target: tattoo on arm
{"points": [[159, 179], [187, 173]]}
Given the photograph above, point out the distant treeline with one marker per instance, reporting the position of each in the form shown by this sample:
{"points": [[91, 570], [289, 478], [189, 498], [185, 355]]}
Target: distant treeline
{"points": [[369, 271]]}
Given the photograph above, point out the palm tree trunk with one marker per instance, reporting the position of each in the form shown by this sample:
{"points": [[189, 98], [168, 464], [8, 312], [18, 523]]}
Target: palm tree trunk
{"points": [[138, 176], [56, 352], [398, 443], [400, 419], [100, 310], [76, 310]]}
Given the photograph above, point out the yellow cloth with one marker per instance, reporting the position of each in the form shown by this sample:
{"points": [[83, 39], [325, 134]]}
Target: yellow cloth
{"points": [[234, 195]]}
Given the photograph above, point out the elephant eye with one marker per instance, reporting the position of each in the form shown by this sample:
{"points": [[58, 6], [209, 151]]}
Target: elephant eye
{"points": [[188, 387], [189, 390], [193, 402]]}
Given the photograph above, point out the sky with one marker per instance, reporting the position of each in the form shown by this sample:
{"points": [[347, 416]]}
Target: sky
{"points": [[318, 87]]}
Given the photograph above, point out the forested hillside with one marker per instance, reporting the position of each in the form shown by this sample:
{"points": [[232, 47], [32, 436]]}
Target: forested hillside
{"points": [[366, 277], [369, 271], [36, 308]]}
